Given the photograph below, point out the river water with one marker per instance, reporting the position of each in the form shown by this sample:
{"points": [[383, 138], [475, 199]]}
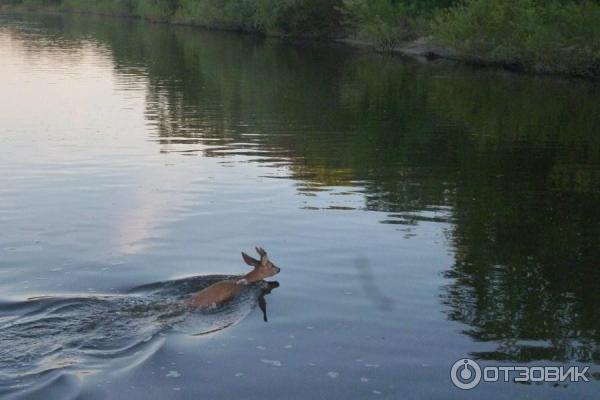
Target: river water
{"points": [[420, 212]]}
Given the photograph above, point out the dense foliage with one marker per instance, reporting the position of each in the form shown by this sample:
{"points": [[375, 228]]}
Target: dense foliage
{"points": [[548, 36], [299, 18]]}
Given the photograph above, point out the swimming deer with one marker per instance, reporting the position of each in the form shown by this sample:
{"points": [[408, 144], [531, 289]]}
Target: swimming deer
{"points": [[226, 290]]}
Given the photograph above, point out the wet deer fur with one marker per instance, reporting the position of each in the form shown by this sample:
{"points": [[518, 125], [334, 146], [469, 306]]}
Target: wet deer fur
{"points": [[226, 290]]}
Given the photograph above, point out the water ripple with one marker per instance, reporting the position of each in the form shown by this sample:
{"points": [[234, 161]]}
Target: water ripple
{"points": [[45, 337]]}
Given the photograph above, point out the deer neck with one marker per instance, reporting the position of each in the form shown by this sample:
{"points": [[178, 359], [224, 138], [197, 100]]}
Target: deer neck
{"points": [[250, 277]]}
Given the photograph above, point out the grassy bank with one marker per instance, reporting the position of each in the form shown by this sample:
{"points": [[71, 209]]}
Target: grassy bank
{"points": [[555, 36]]}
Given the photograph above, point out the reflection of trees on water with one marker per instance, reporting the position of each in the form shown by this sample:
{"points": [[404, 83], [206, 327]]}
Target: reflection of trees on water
{"points": [[512, 162], [526, 272]]}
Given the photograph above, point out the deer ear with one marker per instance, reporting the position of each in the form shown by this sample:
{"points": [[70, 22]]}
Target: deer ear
{"points": [[249, 260]]}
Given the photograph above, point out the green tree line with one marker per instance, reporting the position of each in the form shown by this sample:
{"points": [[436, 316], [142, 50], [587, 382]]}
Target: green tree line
{"points": [[554, 36]]}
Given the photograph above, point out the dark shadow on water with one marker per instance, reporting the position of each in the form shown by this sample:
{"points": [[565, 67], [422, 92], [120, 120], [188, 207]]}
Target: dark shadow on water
{"points": [[370, 287]]}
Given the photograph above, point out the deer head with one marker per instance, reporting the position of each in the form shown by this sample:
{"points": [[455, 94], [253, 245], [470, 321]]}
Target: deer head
{"points": [[263, 268]]}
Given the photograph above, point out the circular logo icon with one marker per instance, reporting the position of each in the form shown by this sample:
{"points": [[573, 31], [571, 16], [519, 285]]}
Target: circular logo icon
{"points": [[465, 374]]}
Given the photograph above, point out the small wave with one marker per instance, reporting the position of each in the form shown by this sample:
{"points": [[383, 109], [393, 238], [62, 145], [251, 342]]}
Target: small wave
{"points": [[42, 338]]}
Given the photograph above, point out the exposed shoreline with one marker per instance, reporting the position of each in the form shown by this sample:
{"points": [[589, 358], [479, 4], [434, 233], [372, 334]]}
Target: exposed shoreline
{"points": [[425, 48]]}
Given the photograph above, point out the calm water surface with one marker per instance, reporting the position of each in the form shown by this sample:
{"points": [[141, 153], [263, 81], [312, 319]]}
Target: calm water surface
{"points": [[421, 213]]}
